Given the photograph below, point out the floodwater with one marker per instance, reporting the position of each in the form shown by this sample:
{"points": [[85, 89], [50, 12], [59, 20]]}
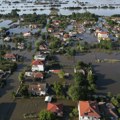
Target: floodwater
{"points": [[30, 8], [23, 29], [108, 74], [5, 23]]}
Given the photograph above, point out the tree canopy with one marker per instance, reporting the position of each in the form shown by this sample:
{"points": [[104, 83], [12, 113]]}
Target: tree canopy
{"points": [[46, 115]]}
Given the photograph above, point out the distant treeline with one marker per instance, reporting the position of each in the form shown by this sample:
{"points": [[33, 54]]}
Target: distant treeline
{"points": [[116, 15]]}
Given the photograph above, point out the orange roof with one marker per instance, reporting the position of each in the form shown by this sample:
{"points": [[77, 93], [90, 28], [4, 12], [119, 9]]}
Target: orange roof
{"points": [[37, 62], [103, 32], [55, 108], [88, 108]]}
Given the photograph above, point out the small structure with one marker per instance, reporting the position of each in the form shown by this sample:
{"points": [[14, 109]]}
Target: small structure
{"points": [[66, 37], [40, 57], [33, 26], [27, 34], [37, 89], [7, 39], [56, 22], [55, 71], [28, 74], [57, 109], [71, 34], [50, 30], [57, 35], [21, 46], [43, 47], [48, 98]]}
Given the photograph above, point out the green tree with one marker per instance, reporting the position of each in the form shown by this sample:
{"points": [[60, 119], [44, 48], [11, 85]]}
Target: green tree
{"points": [[37, 44], [13, 94], [24, 91], [46, 115], [106, 44], [71, 51], [74, 92], [79, 78], [109, 94], [54, 44], [90, 77], [80, 65], [57, 87], [14, 13], [115, 102], [29, 46], [21, 76], [61, 74]]}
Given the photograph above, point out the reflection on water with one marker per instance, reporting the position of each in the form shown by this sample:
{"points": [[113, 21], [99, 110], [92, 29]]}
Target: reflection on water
{"points": [[24, 29], [5, 23]]}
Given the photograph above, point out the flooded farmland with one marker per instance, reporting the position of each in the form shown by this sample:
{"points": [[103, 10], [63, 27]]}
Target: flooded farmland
{"points": [[99, 7]]}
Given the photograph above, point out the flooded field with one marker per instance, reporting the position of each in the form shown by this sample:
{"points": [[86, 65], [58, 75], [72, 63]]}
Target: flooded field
{"points": [[44, 7]]}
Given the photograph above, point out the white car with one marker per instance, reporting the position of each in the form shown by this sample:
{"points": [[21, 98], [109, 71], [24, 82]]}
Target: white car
{"points": [[48, 98]]}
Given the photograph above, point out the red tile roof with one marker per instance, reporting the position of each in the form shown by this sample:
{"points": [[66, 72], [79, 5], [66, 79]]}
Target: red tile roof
{"points": [[37, 62], [55, 108], [88, 108], [55, 71], [37, 74], [66, 36], [9, 55]]}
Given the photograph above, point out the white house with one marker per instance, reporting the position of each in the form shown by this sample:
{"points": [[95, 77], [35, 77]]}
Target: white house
{"points": [[97, 31], [103, 36], [37, 65]]}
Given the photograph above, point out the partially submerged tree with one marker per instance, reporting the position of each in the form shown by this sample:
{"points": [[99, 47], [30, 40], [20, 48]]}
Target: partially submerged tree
{"points": [[46, 115]]}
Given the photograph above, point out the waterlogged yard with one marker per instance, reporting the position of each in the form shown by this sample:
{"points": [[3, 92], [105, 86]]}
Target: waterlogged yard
{"points": [[35, 105]]}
